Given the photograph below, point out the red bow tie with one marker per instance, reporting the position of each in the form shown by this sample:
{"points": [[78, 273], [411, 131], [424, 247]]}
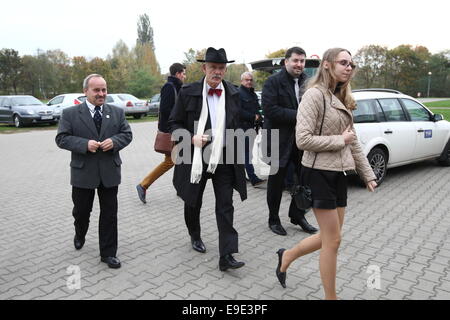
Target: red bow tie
{"points": [[215, 91]]}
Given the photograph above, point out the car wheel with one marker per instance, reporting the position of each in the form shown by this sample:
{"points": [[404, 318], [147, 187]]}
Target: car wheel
{"points": [[378, 161], [18, 123], [444, 159], [137, 116]]}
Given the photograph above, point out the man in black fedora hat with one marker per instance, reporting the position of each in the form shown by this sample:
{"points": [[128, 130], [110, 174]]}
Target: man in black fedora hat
{"points": [[206, 109]]}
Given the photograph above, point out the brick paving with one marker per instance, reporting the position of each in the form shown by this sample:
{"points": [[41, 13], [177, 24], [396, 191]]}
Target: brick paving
{"points": [[403, 229]]}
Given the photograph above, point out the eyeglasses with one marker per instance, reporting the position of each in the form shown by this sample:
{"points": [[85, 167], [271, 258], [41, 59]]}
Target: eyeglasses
{"points": [[346, 63]]}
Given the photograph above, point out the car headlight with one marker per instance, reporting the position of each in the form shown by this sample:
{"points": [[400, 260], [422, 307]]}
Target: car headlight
{"points": [[30, 111]]}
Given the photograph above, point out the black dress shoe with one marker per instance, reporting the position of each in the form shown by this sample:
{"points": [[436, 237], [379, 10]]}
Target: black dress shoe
{"points": [[112, 262], [278, 229], [304, 225], [228, 262], [78, 242], [141, 193], [198, 245], [281, 275]]}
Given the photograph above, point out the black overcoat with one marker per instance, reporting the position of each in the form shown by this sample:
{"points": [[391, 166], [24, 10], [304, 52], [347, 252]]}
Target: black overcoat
{"points": [[185, 113], [249, 107], [280, 111]]}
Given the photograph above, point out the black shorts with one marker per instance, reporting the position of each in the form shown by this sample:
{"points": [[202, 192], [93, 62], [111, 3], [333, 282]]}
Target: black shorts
{"points": [[328, 188]]}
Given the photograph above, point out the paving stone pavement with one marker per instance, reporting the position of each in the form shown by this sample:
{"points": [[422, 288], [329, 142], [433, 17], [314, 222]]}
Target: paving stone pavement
{"points": [[402, 231]]}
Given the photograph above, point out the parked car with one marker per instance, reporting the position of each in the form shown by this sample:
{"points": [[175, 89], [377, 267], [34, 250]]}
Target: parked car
{"points": [[395, 129], [153, 104], [132, 105], [25, 110], [59, 103]]}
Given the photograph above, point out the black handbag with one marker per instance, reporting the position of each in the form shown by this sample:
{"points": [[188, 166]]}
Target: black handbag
{"points": [[302, 197], [301, 193]]}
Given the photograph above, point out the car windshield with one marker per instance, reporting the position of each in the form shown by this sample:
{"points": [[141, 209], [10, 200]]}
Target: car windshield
{"points": [[82, 98], [127, 97], [26, 101], [155, 98]]}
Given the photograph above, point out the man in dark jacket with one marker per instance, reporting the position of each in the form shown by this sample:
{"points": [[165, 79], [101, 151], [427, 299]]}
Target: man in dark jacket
{"points": [[280, 99], [249, 117], [95, 132], [169, 94], [210, 103]]}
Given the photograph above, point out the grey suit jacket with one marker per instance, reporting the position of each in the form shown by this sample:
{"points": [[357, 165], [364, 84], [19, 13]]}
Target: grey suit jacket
{"points": [[76, 128]]}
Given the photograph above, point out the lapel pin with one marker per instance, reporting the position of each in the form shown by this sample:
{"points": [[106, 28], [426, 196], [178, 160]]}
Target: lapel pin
{"points": [[107, 116]]}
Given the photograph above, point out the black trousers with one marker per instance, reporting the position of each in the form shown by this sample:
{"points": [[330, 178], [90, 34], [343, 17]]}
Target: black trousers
{"points": [[222, 180], [275, 186], [83, 200]]}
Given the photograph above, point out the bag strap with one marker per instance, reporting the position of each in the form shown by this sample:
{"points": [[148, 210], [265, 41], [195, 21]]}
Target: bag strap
{"points": [[296, 179], [321, 126]]}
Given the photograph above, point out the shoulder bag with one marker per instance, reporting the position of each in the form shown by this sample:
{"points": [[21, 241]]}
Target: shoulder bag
{"points": [[163, 141], [302, 192]]}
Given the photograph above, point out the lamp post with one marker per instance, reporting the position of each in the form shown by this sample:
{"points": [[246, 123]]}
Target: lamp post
{"points": [[429, 83]]}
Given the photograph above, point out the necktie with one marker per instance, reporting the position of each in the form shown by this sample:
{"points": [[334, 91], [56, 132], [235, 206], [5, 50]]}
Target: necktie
{"points": [[212, 91], [98, 118], [297, 89]]}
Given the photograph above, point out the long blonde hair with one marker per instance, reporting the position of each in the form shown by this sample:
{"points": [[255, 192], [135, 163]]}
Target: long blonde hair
{"points": [[326, 78]]}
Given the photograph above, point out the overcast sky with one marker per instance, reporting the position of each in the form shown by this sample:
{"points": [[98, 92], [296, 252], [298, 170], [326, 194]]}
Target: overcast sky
{"points": [[248, 30]]}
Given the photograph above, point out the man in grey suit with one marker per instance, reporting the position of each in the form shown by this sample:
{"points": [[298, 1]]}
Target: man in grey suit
{"points": [[95, 132]]}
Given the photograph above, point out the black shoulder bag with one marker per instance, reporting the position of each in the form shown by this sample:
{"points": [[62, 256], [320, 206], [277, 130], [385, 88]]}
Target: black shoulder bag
{"points": [[302, 193]]}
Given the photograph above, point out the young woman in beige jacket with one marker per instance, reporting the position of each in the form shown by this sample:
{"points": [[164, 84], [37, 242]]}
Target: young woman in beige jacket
{"points": [[328, 155]]}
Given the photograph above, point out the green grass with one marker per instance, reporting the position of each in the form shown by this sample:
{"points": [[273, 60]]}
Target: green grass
{"points": [[9, 128], [440, 107], [444, 111], [438, 104]]}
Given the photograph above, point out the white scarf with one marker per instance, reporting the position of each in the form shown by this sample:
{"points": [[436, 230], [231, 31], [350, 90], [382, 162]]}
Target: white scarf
{"points": [[217, 143]]}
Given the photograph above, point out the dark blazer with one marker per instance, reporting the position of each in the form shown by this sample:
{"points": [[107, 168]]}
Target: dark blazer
{"points": [[76, 128], [280, 111], [249, 107], [186, 111]]}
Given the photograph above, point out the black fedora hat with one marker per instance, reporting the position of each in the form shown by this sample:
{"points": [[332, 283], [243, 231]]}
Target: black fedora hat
{"points": [[213, 55]]}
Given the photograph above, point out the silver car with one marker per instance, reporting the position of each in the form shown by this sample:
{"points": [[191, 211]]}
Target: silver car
{"points": [[62, 101], [25, 110], [153, 105], [129, 103]]}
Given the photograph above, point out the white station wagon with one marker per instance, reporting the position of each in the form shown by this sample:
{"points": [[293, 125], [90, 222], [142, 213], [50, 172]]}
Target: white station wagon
{"points": [[395, 129]]}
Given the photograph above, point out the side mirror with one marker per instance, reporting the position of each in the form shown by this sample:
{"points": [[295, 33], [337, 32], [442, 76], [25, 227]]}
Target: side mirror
{"points": [[437, 117]]}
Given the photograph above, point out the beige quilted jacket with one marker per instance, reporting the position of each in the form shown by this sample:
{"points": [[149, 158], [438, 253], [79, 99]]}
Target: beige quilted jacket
{"points": [[332, 152]]}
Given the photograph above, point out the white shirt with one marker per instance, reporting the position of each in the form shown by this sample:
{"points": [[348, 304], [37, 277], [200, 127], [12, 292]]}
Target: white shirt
{"points": [[297, 89], [213, 102], [92, 108]]}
